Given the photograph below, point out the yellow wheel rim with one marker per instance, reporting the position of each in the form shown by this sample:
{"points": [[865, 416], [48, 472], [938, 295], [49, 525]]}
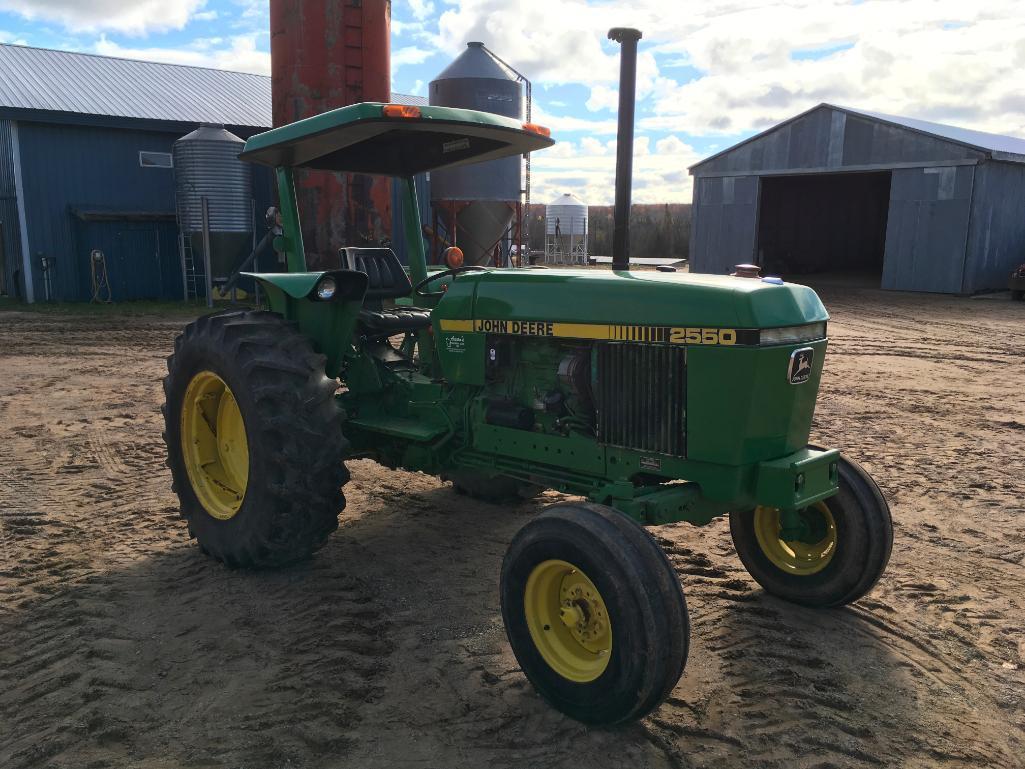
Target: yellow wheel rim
{"points": [[214, 445], [568, 621], [795, 557]]}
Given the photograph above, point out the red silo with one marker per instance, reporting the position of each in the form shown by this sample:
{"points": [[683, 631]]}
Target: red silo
{"points": [[328, 54]]}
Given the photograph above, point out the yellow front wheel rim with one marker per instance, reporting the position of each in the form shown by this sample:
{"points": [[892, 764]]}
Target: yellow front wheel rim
{"points": [[795, 557], [568, 621], [214, 445]]}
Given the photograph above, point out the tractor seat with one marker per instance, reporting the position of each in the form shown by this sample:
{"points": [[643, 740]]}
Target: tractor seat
{"points": [[395, 320], [387, 280]]}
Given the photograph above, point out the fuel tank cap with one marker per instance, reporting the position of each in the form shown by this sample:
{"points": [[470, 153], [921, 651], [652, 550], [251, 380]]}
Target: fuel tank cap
{"points": [[747, 271]]}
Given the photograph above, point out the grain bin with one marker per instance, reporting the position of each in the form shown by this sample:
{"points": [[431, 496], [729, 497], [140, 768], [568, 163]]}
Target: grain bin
{"points": [[206, 165], [566, 230], [476, 203]]}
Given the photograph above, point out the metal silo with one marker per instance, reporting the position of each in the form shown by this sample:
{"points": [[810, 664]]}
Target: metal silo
{"points": [[206, 165], [476, 203], [328, 54], [566, 230]]}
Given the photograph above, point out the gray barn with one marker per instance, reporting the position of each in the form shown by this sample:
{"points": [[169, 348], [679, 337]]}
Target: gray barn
{"points": [[919, 206]]}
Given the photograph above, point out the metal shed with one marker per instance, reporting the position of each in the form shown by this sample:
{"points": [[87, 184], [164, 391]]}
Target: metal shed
{"points": [[918, 206], [85, 162]]}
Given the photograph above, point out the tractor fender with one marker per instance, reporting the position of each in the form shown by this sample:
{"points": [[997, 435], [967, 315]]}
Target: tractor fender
{"points": [[329, 324], [352, 285]]}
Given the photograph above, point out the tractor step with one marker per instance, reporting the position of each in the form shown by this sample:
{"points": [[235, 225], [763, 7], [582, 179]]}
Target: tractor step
{"points": [[399, 427]]}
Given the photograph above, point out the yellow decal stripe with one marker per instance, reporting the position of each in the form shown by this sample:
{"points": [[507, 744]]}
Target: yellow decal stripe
{"points": [[584, 330], [448, 324]]}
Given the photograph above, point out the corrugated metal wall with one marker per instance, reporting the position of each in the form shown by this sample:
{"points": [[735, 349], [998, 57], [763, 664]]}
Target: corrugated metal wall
{"points": [[10, 232], [68, 169], [927, 228], [955, 224], [996, 239], [725, 223]]}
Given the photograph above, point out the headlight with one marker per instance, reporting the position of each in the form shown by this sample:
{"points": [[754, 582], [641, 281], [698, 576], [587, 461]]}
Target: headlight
{"points": [[326, 288], [793, 334]]}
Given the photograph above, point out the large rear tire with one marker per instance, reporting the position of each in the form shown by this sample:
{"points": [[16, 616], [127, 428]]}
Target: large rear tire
{"points": [[254, 439], [840, 563], [594, 613]]}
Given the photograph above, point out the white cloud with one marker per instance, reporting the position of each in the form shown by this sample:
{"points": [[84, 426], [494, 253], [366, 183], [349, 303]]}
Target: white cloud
{"points": [[732, 67], [11, 37], [421, 8], [410, 54], [238, 53], [935, 59], [588, 169], [134, 17], [883, 55], [592, 146]]}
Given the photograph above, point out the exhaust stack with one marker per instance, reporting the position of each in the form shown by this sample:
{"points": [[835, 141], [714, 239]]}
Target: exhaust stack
{"points": [[627, 38]]}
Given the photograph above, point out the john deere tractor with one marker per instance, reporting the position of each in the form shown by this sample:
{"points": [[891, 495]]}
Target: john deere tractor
{"points": [[654, 397]]}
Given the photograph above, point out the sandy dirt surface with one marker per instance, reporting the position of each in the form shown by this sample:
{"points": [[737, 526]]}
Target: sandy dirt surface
{"points": [[121, 645]]}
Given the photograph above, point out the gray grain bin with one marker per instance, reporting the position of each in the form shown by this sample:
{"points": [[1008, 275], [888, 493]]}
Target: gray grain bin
{"points": [[206, 165], [481, 196]]}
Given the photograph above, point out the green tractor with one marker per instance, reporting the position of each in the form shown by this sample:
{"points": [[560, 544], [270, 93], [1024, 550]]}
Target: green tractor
{"points": [[655, 397]]}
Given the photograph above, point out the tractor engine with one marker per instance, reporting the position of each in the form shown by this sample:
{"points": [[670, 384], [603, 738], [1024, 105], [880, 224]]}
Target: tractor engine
{"points": [[624, 394]]}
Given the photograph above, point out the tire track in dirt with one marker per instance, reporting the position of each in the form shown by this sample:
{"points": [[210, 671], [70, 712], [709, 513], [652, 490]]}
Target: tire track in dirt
{"points": [[120, 644]]}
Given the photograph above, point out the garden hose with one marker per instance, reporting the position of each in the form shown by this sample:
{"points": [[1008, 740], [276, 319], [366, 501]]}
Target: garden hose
{"points": [[98, 273]]}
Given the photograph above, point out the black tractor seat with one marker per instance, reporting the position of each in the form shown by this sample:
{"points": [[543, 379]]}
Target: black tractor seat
{"points": [[395, 320], [387, 280]]}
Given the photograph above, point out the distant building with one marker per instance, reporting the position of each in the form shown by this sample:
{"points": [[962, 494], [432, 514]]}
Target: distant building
{"points": [[920, 206], [85, 164]]}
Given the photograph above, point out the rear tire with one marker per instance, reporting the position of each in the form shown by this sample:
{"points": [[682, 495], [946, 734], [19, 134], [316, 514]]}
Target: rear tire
{"points": [[863, 542], [292, 427], [637, 601], [1017, 295]]}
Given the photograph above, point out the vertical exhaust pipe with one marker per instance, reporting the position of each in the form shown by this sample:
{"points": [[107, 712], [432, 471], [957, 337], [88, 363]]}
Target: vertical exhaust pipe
{"points": [[627, 38]]}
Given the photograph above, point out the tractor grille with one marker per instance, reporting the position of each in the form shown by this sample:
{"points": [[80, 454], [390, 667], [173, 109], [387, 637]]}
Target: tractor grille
{"points": [[641, 396]]}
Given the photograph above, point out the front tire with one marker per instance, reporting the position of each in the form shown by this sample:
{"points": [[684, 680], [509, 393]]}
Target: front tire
{"points": [[254, 439], [850, 545], [594, 613]]}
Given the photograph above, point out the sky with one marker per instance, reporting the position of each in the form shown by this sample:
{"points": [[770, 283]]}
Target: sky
{"points": [[710, 73]]}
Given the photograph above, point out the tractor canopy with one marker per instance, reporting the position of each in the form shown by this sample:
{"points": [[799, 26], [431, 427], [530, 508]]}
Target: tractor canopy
{"points": [[394, 140]]}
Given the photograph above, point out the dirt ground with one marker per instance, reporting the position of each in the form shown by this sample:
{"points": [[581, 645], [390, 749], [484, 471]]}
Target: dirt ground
{"points": [[122, 646]]}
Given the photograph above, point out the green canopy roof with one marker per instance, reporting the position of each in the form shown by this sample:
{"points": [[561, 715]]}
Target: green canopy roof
{"points": [[361, 138]]}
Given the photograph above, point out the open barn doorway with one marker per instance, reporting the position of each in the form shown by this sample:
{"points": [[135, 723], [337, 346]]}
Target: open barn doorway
{"points": [[828, 224]]}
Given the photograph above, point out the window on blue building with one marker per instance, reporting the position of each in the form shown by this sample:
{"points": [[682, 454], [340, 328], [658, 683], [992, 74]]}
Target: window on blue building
{"points": [[155, 159]]}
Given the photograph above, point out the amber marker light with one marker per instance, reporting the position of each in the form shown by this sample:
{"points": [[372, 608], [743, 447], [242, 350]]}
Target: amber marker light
{"points": [[454, 257], [401, 110], [537, 129]]}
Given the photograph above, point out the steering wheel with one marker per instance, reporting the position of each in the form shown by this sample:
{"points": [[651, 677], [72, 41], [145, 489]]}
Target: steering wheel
{"points": [[418, 288]]}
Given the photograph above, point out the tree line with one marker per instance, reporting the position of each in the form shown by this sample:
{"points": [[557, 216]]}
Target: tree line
{"points": [[656, 230]]}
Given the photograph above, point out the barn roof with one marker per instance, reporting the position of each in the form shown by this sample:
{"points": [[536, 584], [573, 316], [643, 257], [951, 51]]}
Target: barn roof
{"points": [[49, 81], [997, 146]]}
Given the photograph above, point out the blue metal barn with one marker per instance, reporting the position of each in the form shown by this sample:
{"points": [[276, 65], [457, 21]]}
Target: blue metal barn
{"points": [[918, 206], [85, 163]]}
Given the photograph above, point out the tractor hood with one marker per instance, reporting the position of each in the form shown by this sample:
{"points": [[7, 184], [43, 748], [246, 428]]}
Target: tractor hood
{"points": [[640, 298]]}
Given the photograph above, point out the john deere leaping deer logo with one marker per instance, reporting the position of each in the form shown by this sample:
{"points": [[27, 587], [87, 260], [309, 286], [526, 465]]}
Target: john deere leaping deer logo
{"points": [[800, 365]]}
